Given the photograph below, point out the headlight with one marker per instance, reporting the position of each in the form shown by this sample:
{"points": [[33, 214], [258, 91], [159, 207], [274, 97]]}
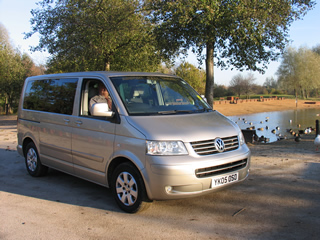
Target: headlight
{"points": [[166, 148], [241, 139]]}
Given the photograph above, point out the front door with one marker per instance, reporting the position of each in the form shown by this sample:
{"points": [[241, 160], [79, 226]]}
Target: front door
{"points": [[92, 138]]}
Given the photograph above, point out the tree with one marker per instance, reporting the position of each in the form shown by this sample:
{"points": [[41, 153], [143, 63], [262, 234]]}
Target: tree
{"points": [[247, 84], [166, 68], [194, 76], [308, 71], [14, 68], [299, 70], [236, 84], [4, 39], [270, 84], [83, 35], [287, 71], [316, 49], [244, 34], [242, 84], [258, 89], [222, 91], [10, 68]]}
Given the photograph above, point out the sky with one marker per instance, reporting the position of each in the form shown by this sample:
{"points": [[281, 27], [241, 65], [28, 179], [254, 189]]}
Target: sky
{"points": [[15, 16]]}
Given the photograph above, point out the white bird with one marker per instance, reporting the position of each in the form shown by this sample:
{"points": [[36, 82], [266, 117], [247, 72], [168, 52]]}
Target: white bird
{"points": [[317, 142], [307, 130]]}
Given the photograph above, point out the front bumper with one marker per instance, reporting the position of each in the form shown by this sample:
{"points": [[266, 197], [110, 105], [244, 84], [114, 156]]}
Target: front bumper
{"points": [[178, 177]]}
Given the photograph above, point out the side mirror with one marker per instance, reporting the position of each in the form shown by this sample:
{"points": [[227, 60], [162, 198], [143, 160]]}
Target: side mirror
{"points": [[101, 110]]}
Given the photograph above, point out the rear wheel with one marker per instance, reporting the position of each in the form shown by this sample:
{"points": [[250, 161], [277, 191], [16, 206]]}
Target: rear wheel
{"points": [[128, 188], [33, 163]]}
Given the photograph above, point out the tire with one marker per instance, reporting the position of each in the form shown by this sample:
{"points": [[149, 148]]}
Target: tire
{"points": [[33, 163], [128, 189]]}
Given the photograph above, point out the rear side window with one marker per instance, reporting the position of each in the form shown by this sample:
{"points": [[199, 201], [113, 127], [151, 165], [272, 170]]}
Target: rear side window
{"points": [[51, 95]]}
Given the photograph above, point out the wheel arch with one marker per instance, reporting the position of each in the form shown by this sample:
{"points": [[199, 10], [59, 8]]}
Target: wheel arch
{"points": [[120, 160], [25, 143], [115, 163]]}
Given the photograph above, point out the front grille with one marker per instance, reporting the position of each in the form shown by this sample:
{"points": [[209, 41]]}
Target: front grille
{"points": [[221, 169], [207, 147]]}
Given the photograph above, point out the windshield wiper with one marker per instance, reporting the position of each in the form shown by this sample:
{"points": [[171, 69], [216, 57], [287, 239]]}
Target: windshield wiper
{"points": [[167, 112], [175, 111], [203, 110], [184, 111]]}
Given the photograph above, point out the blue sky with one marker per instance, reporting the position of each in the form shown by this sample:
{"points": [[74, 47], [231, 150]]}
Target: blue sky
{"points": [[15, 16]]}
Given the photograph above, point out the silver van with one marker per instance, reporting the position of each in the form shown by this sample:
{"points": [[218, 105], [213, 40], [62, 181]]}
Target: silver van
{"points": [[147, 136]]}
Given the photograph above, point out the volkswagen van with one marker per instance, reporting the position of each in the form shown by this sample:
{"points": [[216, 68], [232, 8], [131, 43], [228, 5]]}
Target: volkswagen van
{"points": [[159, 140]]}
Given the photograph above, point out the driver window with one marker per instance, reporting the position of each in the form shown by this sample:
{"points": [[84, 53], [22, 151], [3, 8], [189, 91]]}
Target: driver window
{"points": [[93, 92]]}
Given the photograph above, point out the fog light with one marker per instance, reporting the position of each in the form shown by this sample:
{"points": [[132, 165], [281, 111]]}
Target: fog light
{"points": [[168, 189]]}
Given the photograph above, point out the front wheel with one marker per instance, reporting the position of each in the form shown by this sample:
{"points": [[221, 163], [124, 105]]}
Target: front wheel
{"points": [[33, 163], [128, 188]]}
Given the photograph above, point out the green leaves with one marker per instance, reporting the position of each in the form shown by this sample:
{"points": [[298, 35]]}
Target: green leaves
{"points": [[136, 35], [87, 35], [194, 76], [14, 68], [299, 70], [243, 34]]}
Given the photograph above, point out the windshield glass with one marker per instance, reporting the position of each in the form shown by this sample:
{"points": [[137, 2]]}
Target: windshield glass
{"points": [[158, 95]]}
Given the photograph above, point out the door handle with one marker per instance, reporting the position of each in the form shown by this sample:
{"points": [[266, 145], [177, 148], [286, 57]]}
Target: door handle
{"points": [[66, 121], [78, 122]]}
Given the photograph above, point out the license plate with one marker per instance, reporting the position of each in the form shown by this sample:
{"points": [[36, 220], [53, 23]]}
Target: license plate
{"points": [[226, 179]]}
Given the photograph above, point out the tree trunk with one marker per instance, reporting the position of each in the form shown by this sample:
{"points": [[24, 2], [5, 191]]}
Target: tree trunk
{"points": [[107, 67], [209, 74], [7, 106], [302, 93]]}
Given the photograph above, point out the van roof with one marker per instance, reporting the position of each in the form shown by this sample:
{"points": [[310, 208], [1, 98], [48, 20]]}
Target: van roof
{"points": [[101, 74]]}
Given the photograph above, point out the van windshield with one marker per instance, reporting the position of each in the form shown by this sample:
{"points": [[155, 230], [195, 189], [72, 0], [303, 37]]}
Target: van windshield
{"points": [[158, 95]]}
